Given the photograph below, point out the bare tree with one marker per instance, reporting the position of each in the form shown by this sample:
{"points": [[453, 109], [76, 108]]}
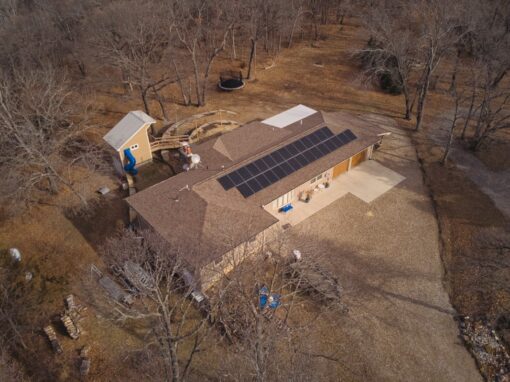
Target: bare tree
{"points": [[490, 43], [259, 308], [149, 268], [202, 28], [134, 37], [457, 99], [442, 24], [392, 49], [41, 135]]}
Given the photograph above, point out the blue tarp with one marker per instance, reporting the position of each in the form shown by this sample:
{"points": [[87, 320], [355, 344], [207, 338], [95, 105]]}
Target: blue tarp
{"points": [[286, 208], [264, 298]]}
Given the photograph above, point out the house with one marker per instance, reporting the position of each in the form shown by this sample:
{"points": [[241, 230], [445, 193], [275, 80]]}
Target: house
{"points": [[224, 208], [130, 133]]}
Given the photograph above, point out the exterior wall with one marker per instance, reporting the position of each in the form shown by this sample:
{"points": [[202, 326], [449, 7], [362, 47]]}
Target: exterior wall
{"points": [[143, 151], [214, 271], [298, 193]]}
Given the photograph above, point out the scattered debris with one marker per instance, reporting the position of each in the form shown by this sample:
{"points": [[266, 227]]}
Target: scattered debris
{"points": [[15, 254], [316, 281], [103, 190], [28, 276], [113, 289], [52, 336], [270, 316], [487, 348], [297, 254], [137, 276]]}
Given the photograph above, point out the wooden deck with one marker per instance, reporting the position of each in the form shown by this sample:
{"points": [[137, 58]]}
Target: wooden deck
{"points": [[168, 142]]}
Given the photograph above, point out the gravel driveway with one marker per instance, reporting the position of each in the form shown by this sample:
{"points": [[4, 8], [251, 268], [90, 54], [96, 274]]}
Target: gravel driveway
{"points": [[386, 253]]}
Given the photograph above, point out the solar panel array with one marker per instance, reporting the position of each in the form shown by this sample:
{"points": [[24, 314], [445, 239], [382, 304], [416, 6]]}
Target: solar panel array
{"points": [[269, 169]]}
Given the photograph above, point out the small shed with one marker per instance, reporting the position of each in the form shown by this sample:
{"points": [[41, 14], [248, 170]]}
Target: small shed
{"points": [[131, 133]]}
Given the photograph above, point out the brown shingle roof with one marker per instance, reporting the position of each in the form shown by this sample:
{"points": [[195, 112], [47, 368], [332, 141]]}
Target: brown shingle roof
{"points": [[193, 208]]}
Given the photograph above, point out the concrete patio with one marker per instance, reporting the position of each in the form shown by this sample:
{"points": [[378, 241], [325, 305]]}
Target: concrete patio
{"points": [[367, 181]]}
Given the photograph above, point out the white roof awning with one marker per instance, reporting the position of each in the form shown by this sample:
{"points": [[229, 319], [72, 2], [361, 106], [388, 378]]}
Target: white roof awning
{"points": [[289, 116]]}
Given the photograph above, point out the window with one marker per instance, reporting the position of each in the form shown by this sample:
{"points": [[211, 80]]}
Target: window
{"points": [[135, 146], [316, 179]]}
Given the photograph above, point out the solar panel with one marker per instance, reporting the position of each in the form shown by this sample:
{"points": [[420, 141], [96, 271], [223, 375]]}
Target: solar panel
{"points": [[236, 178], [314, 138], [323, 150], [300, 145], [226, 182], [269, 169], [245, 190], [254, 185], [293, 150], [279, 172], [350, 134], [263, 181], [268, 159], [295, 164], [285, 153], [261, 165], [307, 141], [244, 173]]}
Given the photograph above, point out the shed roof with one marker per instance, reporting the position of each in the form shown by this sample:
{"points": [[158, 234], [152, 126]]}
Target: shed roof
{"points": [[127, 127]]}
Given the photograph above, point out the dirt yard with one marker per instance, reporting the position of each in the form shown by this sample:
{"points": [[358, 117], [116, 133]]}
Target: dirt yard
{"points": [[401, 325]]}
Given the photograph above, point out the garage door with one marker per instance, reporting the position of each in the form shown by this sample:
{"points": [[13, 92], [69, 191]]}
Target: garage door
{"points": [[358, 158], [340, 168]]}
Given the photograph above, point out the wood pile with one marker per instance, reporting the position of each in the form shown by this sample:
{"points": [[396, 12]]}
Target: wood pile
{"points": [[70, 318], [52, 337], [85, 361]]}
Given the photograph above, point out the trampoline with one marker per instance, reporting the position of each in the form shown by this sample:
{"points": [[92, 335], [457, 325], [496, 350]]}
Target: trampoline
{"points": [[230, 81]]}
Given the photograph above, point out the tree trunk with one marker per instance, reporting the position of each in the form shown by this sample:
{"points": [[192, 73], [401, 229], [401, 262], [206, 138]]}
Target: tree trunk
{"points": [[407, 97], [481, 119], [52, 184], [454, 74], [251, 69], [470, 112], [197, 80], [144, 99], [423, 96], [407, 100], [204, 83], [259, 352], [292, 30], [185, 98], [452, 130], [161, 104], [234, 55], [480, 140]]}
